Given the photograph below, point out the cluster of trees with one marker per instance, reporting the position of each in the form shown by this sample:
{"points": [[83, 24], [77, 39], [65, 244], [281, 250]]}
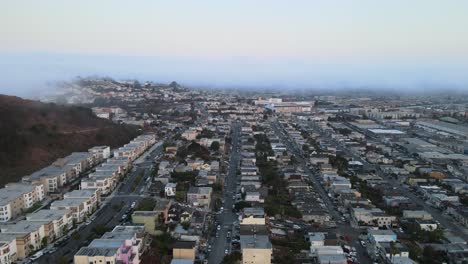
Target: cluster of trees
{"points": [[344, 131], [147, 204], [215, 146], [277, 201], [339, 162], [233, 258], [374, 195], [188, 177], [423, 236], [194, 149], [432, 256], [206, 133], [184, 180]]}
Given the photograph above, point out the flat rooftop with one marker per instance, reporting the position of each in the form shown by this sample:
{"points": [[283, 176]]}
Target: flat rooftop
{"points": [[23, 227], [67, 202], [95, 251], [107, 243], [13, 191], [86, 193], [387, 131], [47, 215]]}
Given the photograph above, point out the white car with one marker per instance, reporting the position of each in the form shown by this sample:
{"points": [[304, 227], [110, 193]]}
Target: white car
{"points": [[133, 205]]}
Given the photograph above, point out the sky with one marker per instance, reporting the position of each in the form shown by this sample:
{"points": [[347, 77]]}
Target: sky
{"points": [[307, 44]]}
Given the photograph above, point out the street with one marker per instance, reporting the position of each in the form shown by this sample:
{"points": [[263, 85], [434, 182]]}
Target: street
{"points": [[225, 219]]}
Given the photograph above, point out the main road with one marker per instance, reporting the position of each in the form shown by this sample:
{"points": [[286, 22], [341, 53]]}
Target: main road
{"points": [[220, 244]]}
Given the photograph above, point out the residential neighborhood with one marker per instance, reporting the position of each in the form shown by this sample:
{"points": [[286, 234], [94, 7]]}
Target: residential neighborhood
{"points": [[251, 180]]}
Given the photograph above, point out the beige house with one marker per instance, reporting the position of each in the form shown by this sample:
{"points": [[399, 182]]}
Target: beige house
{"points": [[28, 235], [17, 197], [184, 250], [80, 202], [253, 216], [8, 252], [255, 244], [56, 222], [86, 255]]}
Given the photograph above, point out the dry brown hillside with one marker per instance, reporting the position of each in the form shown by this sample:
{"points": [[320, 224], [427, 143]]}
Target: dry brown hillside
{"points": [[34, 134]]}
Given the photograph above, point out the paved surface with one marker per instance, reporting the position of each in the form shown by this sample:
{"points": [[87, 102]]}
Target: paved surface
{"points": [[220, 243]]}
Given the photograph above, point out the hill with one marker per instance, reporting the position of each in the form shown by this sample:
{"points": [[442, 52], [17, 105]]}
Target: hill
{"points": [[35, 134]]}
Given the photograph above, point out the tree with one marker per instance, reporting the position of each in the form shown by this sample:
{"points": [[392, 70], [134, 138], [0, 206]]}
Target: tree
{"points": [[62, 260], [44, 241], [432, 256], [233, 258], [206, 133], [292, 161], [76, 236], [393, 250], [344, 131], [100, 229], [241, 205], [214, 146]]}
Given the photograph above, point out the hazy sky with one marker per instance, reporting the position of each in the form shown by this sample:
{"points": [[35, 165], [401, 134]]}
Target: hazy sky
{"points": [[304, 44]]}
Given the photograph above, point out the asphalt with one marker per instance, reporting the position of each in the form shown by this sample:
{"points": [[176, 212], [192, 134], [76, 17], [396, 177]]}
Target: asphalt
{"points": [[220, 243]]}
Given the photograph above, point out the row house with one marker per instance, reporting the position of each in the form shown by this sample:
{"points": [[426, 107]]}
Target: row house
{"points": [[8, 250], [17, 197], [80, 202], [51, 177], [56, 222], [105, 183], [101, 152], [124, 244], [28, 236]]}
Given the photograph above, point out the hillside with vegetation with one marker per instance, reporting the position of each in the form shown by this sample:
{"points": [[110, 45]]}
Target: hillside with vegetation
{"points": [[35, 134]]}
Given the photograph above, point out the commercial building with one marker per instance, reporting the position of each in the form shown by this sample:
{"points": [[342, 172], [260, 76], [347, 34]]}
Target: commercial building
{"points": [[443, 128]]}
